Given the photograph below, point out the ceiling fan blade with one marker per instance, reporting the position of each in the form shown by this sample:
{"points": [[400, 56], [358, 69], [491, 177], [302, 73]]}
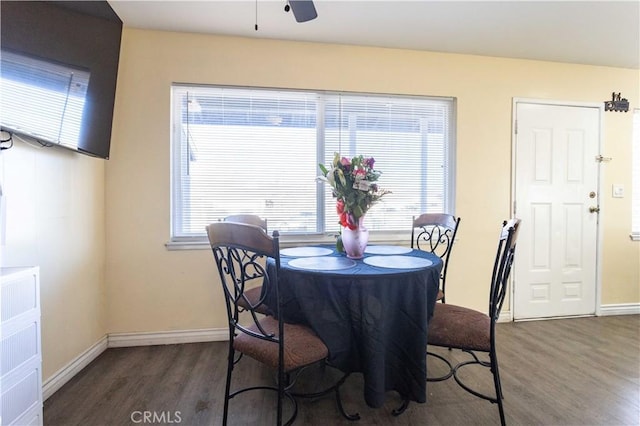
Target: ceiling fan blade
{"points": [[303, 10]]}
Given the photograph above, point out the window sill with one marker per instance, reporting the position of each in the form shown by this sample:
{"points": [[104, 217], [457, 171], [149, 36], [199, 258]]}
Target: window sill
{"points": [[635, 236], [187, 245], [200, 243]]}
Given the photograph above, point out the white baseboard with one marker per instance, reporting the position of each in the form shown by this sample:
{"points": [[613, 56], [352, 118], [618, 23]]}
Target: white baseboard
{"points": [[66, 373], [620, 309], [505, 316], [605, 310], [119, 340]]}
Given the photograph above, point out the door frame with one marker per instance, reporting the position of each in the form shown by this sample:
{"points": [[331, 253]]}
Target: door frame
{"points": [[600, 187]]}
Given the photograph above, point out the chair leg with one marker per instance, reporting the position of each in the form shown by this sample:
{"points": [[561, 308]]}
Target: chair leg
{"points": [[492, 364], [401, 409], [499, 394], [281, 384], [230, 364], [445, 376], [334, 388], [498, 386], [351, 417]]}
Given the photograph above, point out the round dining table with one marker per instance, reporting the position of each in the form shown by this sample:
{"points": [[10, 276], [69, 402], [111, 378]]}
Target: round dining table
{"points": [[372, 313]]}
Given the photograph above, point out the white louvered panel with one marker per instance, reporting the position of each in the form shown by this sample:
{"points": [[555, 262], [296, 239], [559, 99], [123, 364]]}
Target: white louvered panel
{"points": [[19, 296], [20, 397], [20, 362], [19, 347], [33, 417]]}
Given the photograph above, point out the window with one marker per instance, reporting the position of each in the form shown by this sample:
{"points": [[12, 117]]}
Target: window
{"points": [[42, 99], [242, 150], [635, 177]]}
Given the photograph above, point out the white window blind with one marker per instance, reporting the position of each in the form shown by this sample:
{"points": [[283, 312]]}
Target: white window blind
{"points": [[408, 139], [241, 150], [635, 178], [42, 99]]}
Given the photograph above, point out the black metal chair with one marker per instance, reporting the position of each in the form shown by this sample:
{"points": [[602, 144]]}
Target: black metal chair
{"points": [[436, 233], [241, 252], [253, 295], [472, 331]]}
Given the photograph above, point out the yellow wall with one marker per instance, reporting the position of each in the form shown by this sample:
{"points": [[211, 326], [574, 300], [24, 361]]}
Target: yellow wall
{"points": [[55, 220], [152, 289], [100, 241]]}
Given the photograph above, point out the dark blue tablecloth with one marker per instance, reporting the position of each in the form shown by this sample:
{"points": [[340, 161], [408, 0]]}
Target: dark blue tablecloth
{"points": [[373, 320]]}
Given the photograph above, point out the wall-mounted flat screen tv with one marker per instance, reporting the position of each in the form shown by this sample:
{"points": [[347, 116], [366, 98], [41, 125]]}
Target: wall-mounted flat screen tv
{"points": [[58, 70]]}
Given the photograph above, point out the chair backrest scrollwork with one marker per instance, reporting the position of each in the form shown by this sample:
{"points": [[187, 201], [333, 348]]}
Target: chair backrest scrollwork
{"points": [[436, 233], [241, 252]]}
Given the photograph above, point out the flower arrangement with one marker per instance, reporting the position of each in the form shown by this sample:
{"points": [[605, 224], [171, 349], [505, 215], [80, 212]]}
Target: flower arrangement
{"points": [[353, 182]]}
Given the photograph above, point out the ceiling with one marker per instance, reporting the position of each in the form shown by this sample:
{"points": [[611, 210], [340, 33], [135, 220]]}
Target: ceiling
{"points": [[583, 32]]}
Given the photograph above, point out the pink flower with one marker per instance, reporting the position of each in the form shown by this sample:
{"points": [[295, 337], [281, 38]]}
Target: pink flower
{"points": [[345, 161], [368, 162]]}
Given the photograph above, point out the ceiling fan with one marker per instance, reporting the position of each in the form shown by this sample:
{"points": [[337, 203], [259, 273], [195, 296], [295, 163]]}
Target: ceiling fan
{"points": [[303, 10]]}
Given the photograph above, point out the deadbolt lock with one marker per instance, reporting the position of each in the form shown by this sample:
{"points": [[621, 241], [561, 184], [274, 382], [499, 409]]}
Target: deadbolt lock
{"points": [[593, 209], [592, 194]]}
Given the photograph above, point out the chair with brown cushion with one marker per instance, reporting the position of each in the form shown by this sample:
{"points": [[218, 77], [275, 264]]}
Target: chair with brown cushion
{"points": [[253, 295], [436, 233], [472, 331], [241, 253]]}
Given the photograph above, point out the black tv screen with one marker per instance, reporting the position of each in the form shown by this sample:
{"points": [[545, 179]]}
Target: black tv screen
{"points": [[59, 72]]}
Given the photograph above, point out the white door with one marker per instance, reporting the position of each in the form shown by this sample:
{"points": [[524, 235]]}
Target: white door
{"points": [[556, 191]]}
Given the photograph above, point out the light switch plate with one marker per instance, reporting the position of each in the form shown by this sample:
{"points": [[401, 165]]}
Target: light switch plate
{"points": [[617, 191]]}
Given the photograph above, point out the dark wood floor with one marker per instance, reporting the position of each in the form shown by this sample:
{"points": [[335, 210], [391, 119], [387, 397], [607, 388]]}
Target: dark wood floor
{"points": [[583, 371]]}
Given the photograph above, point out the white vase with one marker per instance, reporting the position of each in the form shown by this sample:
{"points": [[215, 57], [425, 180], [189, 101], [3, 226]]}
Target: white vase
{"points": [[355, 241]]}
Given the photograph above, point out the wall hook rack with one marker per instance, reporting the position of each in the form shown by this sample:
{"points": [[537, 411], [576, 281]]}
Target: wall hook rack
{"points": [[617, 103]]}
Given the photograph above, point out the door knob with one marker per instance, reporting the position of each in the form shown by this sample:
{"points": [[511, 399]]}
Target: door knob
{"points": [[593, 209]]}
